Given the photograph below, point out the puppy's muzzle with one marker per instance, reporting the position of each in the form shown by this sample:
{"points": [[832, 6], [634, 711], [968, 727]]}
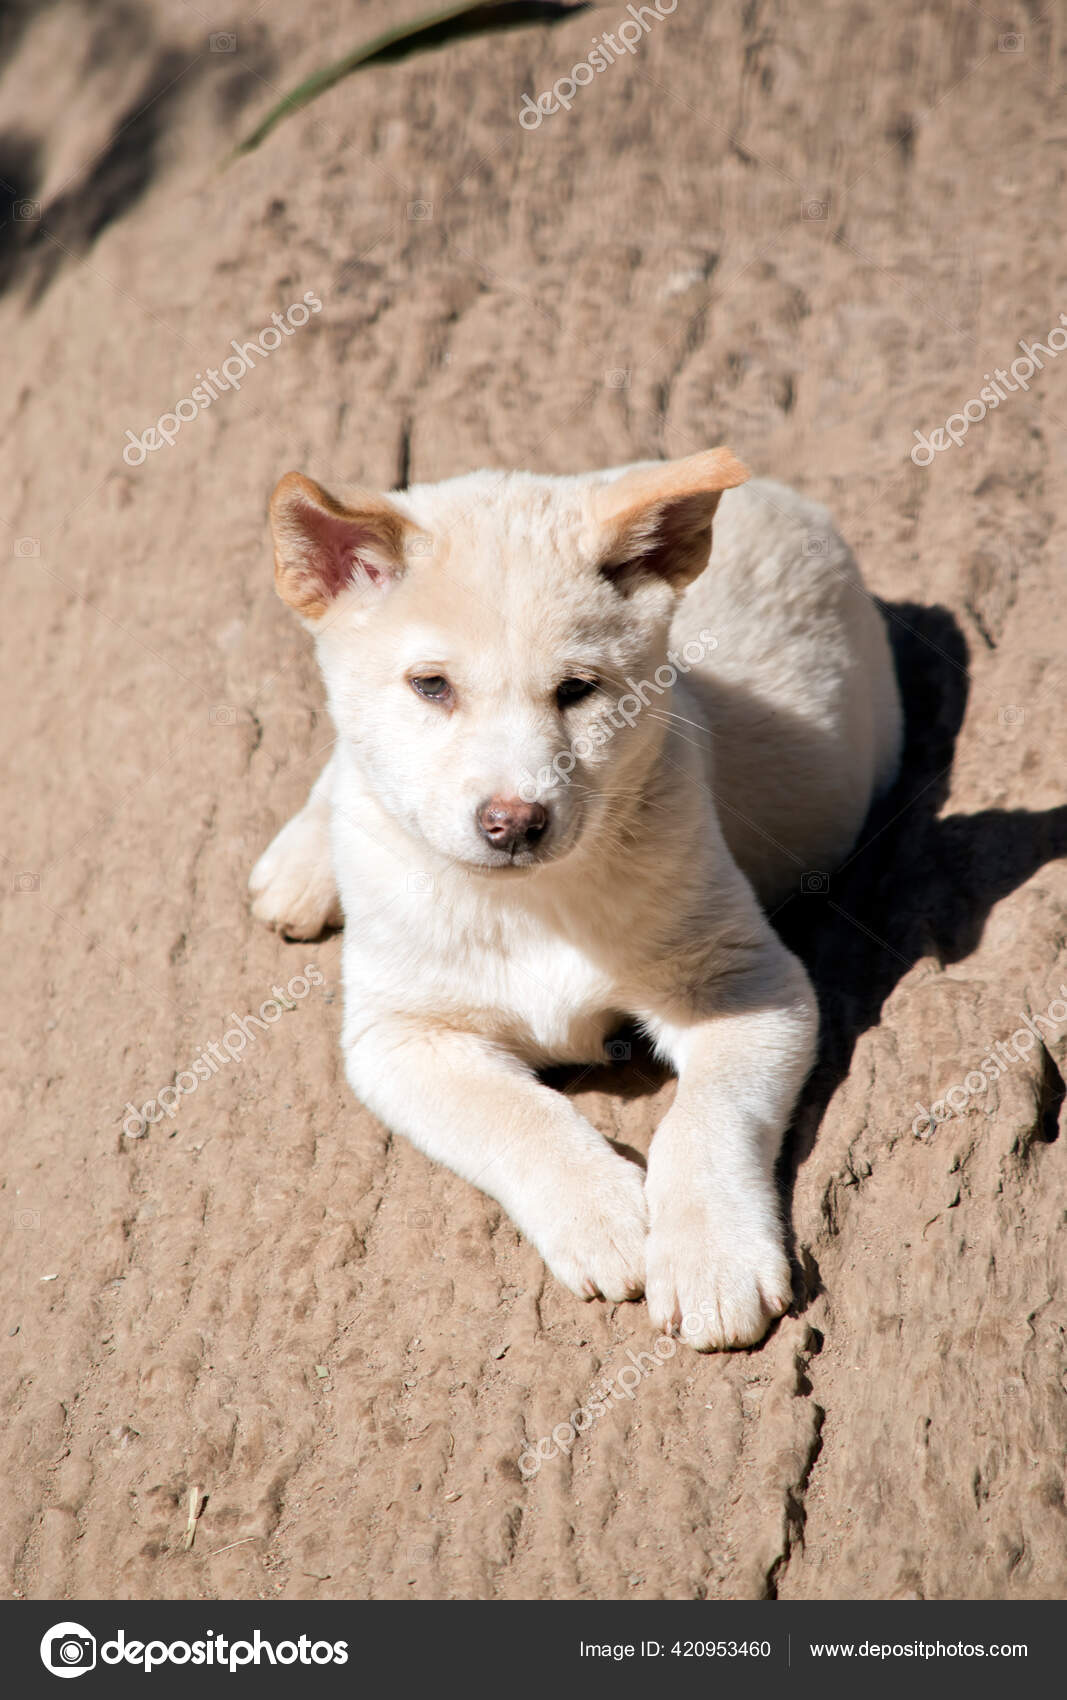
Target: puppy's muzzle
{"points": [[510, 825]]}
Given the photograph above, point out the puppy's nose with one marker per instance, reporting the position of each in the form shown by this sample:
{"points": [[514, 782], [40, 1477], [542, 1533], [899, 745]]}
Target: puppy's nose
{"points": [[507, 823]]}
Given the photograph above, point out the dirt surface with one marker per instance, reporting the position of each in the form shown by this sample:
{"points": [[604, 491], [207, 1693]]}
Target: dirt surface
{"points": [[807, 232]]}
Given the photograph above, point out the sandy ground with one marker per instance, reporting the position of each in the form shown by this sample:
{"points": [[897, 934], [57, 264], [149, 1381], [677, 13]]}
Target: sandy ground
{"points": [[809, 233]]}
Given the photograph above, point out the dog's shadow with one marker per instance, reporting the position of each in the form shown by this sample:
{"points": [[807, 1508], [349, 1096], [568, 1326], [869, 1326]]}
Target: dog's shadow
{"points": [[915, 886], [630, 1071]]}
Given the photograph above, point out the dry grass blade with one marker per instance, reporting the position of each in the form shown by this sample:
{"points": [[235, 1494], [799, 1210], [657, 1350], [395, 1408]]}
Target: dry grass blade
{"points": [[197, 1501]]}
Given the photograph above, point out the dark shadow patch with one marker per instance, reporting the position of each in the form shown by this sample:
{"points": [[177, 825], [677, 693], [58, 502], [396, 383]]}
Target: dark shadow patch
{"points": [[630, 1069], [21, 169], [901, 133], [116, 179], [14, 16], [1051, 1101]]}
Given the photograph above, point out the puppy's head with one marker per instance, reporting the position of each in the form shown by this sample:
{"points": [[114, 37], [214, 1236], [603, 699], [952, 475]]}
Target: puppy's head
{"points": [[490, 645]]}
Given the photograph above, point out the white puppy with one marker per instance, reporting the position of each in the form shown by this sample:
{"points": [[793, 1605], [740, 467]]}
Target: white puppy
{"points": [[572, 758]]}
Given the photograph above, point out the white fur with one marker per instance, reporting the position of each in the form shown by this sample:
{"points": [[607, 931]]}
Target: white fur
{"points": [[463, 975]]}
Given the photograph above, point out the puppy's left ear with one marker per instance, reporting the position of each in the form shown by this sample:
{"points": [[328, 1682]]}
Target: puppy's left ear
{"points": [[656, 520], [323, 546]]}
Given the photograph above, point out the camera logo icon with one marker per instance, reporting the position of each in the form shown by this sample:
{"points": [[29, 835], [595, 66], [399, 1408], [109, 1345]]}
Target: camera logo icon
{"points": [[617, 1051], [68, 1649]]}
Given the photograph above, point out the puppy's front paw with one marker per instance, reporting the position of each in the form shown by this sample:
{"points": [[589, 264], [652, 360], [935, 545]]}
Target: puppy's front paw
{"points": [[594, 1240], [716, 1278], [292, 884]]}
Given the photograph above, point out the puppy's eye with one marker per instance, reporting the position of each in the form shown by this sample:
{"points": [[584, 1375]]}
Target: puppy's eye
{"points": [[573, 690], [434, 687]]}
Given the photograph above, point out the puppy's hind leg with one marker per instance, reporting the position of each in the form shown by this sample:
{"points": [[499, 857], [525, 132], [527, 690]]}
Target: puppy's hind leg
{"points": [[292, 885]]}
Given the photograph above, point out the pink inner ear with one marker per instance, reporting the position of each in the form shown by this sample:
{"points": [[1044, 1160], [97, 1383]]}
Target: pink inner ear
{"points": [[335, 548]]}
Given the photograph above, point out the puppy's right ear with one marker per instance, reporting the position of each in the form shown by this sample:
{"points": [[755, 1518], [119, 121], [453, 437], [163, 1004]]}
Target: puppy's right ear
{"points": [[322, 546]]}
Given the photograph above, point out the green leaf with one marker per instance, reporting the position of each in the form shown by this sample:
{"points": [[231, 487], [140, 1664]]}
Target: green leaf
{"points": [[432, 30]]}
